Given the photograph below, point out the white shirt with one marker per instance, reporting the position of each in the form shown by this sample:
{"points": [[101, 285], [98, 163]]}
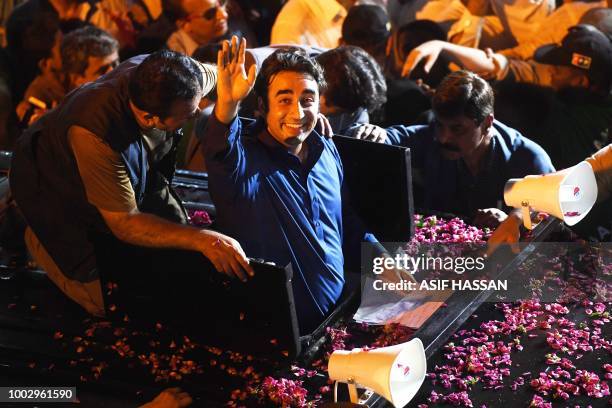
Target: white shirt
{"points": [[309, 22], [106, 15], [181, 41]]}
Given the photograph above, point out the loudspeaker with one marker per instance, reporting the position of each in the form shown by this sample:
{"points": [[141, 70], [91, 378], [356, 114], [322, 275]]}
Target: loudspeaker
{"points": [[567, 194], [395, 372]]}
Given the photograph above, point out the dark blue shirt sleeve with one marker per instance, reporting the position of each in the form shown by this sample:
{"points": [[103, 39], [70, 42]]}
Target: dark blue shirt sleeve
{"points": [[402, 135], [219, 140], [419, 139], [529, 159], [223, 150]]}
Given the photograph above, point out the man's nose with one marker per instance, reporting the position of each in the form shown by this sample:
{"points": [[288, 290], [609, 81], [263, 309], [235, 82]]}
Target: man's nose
{"points": [[297, 111], [443, 135]]}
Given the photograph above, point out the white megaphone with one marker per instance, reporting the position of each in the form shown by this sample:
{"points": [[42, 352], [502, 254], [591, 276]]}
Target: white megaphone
{"points": [[567, 194], [395, 372]]}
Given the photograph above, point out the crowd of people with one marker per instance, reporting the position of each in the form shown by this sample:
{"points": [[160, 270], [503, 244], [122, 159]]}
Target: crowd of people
{"points": [[100, 100]]}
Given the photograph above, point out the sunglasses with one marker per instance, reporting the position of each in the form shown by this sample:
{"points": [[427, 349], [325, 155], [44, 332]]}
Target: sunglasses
{"points": [[212, 12]]}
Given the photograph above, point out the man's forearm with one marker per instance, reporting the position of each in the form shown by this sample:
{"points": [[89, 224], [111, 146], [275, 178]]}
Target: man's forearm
{"points": [[226, 111], [470, 58], [152, 231]]}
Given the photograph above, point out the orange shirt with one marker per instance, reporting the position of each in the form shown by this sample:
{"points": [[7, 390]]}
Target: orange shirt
{"points": [[601, 162]]}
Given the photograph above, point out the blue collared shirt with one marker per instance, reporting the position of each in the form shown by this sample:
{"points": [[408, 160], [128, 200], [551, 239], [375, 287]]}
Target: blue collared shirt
{"points": [[447, 185], [282, 210]]}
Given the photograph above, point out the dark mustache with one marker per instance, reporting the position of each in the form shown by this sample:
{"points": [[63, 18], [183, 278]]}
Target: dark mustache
{"points": [[449, 147]]}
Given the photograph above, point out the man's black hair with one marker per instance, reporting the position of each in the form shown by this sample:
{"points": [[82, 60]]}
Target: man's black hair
{"points": [[287, 59], [354, 79], [79, 45], [463, 93], [163, 78]]}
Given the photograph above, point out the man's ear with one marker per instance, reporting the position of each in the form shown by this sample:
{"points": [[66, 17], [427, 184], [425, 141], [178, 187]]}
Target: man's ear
{"points": [[261, 105], [151, 120], [148, 120], [487, 123], [182, 24], [43, 64], [205, 103]]}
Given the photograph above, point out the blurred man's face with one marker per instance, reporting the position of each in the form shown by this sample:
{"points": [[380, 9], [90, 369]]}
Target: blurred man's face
{"points": [[293, 107], [96, 67], [182, 112], [206, 20], [459, 136], [567, 77]]}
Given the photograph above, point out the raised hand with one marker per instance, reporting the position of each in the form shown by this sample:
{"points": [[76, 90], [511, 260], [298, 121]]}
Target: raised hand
{"points": [[233, 83], [428, 51]]}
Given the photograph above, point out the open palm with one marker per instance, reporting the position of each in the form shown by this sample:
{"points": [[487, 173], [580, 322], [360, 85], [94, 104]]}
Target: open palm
{"points": [[233, 84]]}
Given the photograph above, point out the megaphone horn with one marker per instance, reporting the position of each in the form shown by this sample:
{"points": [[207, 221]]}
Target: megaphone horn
{"points": [[395, 372], [567, 194]]}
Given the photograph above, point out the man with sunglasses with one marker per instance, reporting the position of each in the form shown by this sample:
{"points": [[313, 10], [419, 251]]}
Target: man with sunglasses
{"points": [[199, 22]]}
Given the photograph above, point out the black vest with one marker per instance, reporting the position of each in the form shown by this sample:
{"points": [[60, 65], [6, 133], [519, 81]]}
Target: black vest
{"points": [[45, 178]]}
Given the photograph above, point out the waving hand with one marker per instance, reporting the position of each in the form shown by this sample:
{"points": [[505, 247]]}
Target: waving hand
{"points": [[233, 83]]}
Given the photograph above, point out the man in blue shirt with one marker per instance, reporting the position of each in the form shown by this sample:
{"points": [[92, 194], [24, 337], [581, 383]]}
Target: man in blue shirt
{"points": [[276, 183], [463, 159]]}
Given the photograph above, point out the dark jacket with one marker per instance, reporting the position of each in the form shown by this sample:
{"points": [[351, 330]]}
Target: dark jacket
{"points": [[45, 178]]}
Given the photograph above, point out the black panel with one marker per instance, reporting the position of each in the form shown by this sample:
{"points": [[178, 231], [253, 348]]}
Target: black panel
{"points": [[379, 180], [183, 289]]}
